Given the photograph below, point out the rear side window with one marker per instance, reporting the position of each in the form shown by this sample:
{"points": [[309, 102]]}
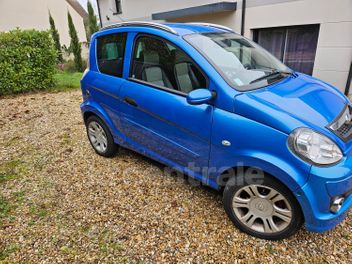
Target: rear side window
{"points": [[111, 51]]}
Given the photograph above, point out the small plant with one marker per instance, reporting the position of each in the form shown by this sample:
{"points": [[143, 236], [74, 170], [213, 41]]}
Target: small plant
{"points": [[38, 211], [270, 248], [75, 45], [56, 37]]}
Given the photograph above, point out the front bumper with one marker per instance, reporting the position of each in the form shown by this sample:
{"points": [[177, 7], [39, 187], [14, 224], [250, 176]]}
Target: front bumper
{"points": [[316, 195]]}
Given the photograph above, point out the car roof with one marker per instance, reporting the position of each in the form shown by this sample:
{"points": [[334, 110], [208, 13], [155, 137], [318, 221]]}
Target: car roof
{"points": [[191, 28], [180, 29]]}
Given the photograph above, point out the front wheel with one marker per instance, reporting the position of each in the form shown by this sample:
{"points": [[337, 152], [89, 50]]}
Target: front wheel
{"points": [[100, 137], [267, 210]]}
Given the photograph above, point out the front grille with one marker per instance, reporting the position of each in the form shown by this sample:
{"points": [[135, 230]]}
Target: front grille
{"points": [[342, 125], [345, 131]]}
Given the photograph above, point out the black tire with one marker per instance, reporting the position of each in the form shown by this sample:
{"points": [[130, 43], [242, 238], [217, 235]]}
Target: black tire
{"points": [[111, 147], [297, 218]]}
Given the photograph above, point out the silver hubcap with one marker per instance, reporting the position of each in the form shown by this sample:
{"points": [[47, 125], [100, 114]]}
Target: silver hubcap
{"points": [[262, 208], [97, 136]]}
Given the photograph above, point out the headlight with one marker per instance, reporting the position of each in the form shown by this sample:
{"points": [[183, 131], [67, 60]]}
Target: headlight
{"points": [[314, 147]]}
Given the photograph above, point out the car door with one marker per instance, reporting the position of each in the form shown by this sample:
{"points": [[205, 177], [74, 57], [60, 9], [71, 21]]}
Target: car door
{"points": [[155, 116], [106, 82]]}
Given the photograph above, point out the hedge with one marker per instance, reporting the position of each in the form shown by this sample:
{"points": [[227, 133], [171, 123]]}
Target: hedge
{"points": [[27, 61]]}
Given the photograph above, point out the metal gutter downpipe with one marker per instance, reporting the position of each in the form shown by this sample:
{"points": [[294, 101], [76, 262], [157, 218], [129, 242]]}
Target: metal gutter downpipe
{"points": [[243, 18], [348, 84], [99, 13]]}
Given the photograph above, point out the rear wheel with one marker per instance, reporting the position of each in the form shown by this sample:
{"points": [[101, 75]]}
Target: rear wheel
{"points": [[100, 137], [267, 210]]}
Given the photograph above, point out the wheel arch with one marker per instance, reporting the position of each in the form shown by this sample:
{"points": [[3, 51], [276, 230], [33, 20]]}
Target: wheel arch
{"points": [[88, 114], [231, 172], [281, 170], [92, 108]]}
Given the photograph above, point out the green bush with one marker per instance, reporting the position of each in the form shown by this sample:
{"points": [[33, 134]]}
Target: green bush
{"points": [[27, 61]]}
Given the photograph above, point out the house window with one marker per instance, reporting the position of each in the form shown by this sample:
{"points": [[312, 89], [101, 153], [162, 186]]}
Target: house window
{"points": [[295, 46], [116, 7]]}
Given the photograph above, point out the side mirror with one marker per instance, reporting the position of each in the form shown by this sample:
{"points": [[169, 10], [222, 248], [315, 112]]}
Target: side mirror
{"points": [[199, 96]]}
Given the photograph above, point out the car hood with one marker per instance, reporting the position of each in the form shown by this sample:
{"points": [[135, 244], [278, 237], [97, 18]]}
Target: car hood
{"points": [[296, 101]]}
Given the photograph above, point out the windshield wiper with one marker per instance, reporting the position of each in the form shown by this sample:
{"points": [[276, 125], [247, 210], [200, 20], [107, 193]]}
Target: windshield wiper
{"points": [[270, 75]]}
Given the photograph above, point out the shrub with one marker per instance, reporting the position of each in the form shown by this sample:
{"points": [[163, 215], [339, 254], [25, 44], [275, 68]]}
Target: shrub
{"points": [[92, 21], [56, 37], [75, 46], [70, 66], [27, 61]]}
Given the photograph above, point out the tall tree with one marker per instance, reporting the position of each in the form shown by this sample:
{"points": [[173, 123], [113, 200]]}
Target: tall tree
{"points": [[75, 46], [56, 37], [92, 21]]}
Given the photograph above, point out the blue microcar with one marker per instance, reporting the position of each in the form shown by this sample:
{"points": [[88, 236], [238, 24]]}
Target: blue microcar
{"points": [[217, 107]]}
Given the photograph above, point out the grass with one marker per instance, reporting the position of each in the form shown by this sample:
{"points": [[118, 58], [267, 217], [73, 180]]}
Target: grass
{"points": [[66, 81], [6, 251], [5, 207], [9, 171], [38, 211]]}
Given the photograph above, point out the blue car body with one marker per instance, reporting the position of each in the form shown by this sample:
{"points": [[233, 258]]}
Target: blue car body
{"points": [[258, 123]]}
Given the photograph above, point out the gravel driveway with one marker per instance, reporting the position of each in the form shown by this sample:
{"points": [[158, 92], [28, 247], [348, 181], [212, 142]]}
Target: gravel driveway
{"points": [[60, 202]]}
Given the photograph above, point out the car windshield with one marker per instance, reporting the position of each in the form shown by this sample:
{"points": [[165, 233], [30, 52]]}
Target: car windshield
{"points": [[241, 62]]}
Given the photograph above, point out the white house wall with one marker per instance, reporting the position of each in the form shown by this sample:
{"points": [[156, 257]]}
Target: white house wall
{"points": [[34, 14], [143, 9], [334, 50]]}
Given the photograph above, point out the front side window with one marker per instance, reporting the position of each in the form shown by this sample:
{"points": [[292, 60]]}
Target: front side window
{"points": [[160, 63], [241, 62], [110, 53]]}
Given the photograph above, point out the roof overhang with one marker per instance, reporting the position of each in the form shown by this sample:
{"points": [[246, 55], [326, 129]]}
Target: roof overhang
{"points": [[78, 8], [196, 10]]}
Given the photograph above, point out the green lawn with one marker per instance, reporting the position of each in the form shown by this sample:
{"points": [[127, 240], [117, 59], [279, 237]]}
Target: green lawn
{"points": [[67, 81]]}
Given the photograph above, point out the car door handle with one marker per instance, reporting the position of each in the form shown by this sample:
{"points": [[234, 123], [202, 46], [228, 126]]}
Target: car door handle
{"points": [[130, 101]]}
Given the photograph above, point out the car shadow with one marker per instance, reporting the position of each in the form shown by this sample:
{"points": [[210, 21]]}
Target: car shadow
{"points": [[170, 172]]}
